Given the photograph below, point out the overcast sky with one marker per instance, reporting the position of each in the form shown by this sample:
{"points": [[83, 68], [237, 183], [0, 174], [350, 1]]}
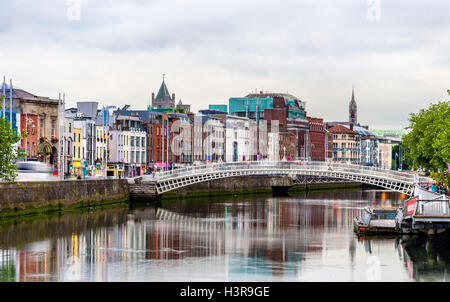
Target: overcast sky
{"points": [[395, 53]]}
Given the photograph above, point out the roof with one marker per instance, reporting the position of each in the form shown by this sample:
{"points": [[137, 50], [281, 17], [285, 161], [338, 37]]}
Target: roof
{"points": [[144, 115], [89, 109], [341, 129], [163, 92], [127, 117], [24, 95], [212, 111], [271, 95], [362, 131]]}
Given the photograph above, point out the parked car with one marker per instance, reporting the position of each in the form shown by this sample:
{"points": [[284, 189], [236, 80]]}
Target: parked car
{"points": [[34, 171]]}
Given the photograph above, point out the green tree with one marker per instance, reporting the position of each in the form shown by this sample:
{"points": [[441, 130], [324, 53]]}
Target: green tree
{"points": [[8, 152], [428, 142], [177, 110]]}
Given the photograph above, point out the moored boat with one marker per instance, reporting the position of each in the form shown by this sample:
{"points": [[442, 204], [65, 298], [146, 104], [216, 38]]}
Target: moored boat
{"points": [[376, 220]]}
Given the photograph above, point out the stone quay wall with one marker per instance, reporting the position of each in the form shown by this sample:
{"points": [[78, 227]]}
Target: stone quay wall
{"points": [[253, 184], [235, 185], [22, 198]]}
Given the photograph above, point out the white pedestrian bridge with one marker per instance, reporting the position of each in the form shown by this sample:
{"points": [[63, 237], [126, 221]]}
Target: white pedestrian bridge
{"points": [[403, 182]]}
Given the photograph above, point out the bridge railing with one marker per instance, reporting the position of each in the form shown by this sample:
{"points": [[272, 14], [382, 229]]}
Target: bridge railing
{"points": [[295, 166]]}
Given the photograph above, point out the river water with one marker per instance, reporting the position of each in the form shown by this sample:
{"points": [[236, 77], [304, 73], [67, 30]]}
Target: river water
{"points": [[301, 238]]}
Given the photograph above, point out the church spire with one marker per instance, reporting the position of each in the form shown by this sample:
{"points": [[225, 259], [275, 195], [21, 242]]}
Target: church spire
{"points": [[353, 109], [163, 98]]}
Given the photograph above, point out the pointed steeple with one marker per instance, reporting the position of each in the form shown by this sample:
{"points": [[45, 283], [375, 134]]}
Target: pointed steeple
{"points": [[353, 109], [163, 92], [163, 98]]}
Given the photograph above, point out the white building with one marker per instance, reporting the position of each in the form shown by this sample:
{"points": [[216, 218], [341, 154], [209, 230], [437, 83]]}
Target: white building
{"points": [[101, 149], [116, 146], [208, 138], [128, 144], [88, 142], [237, 146], [66, 143], [385, 144]]}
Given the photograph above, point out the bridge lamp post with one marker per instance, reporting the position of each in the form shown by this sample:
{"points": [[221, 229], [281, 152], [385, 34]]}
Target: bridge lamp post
{"points": [[400, 160], [396, 160]]}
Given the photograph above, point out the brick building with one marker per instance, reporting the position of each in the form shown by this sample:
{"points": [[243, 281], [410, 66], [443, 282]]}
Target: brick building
{"points": [[317, 139], [39, 119]]}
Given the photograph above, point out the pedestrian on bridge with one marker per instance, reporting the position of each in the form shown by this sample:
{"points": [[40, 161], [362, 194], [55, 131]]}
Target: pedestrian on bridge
{"points": [[434, 188]]}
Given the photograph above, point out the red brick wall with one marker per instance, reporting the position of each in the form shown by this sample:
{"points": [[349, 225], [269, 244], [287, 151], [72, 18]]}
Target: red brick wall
{"points": [[32, 138], [279, 114], [317, 139]]}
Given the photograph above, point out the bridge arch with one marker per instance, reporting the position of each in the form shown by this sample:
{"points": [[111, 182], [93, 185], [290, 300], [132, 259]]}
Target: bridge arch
{"points": [[402, 182]]}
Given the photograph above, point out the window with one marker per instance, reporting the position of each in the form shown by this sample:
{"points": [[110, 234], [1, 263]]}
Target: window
{"points": [[41, 127], [53, 127]]}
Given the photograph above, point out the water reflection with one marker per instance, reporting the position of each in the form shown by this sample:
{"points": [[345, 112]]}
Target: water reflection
{"points": [[426, 259], [302, 238]]}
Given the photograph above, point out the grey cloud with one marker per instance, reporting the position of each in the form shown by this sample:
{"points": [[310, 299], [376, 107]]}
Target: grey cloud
{"points": [[316, 49]]}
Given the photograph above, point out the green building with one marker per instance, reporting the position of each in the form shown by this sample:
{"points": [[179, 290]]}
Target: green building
{"points": [[219, 107], [253, 105]]}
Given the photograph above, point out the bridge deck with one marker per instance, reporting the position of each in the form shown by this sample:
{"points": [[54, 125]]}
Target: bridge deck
{"points": [[170, 180]]}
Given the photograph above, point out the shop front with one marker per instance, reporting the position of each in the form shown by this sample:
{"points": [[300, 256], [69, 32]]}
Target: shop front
{"points": [[135, 170], [77, 168], [115, 170]]}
